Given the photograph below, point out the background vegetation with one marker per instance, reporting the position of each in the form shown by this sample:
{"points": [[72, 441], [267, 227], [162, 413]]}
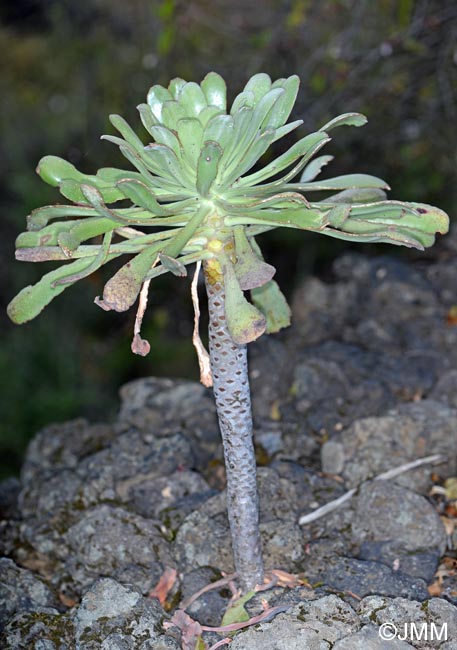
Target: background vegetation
{"points": [[65, 66]]}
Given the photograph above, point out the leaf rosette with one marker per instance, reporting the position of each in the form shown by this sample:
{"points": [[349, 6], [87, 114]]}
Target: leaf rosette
{"points": [[196, 193]]}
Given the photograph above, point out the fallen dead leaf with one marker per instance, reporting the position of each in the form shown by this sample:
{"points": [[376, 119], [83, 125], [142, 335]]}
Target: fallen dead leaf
{"points": [[162, 588], [452, 315], [190, 630], [67, 601]]}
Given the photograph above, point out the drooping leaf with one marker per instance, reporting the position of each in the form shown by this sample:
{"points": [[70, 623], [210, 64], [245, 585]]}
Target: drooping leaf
{"points": [[244, 321], [250, 270], [121, 291], [270, 300]]}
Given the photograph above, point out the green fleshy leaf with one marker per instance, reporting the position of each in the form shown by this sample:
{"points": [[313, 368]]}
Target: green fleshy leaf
{"points": [[175, 87], [53, 170], [157, 96], [173, 265], [285, 104], [142, 196], [407, 224], [40, 217], [299, 149], [259, 85], [207, 167], [190, 134], [215, 89], [314, 168], [208, 113], [303, 218], [220, 129], [126, 131], [172, 111], [252, 130], [251, 271], [287, 128], [165, 136], [237, 612], [338, 215], [148, 119], [348, 181], [270, 300], [347, 119], [245, 99], [192, 99], [431, 219], [33, 299], [163, 161], [79, 230], [244, 321], [357, 195], [59, 173], [174, 248]]}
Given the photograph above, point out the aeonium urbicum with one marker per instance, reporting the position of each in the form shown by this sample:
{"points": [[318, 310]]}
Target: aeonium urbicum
{"points": [[195, 199]]}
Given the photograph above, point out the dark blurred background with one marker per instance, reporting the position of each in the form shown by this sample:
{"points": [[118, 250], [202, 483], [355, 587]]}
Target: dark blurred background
{"points": [[66, 65]]}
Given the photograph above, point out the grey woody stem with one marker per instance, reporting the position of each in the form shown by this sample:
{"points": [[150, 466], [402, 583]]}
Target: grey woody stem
{"points": [[233, 402]]}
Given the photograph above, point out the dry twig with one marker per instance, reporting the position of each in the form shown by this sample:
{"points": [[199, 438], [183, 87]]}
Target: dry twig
{"points": [[391, 473]]}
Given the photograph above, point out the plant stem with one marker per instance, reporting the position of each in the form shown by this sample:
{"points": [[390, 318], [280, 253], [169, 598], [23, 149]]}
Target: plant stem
{"points": [[233, 402]]}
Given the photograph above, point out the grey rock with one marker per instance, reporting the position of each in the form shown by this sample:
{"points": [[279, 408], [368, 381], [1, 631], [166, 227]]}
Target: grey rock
{"points": [[385, 511], [368, 638], [22, 591], [314, 625], [63, 445], [41, 629], [151, 497], [402, 612], [111, 613], [207, 609], [332, 457], [366, 577], [9, 493], [374, 445], [108, 541], [421, 564], [445, 389]]}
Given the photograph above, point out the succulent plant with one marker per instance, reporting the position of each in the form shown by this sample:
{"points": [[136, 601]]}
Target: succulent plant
{"points": [[195, 198]]}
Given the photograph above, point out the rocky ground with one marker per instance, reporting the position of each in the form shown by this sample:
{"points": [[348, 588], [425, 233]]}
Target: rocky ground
{"points": [[364, 381]]}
